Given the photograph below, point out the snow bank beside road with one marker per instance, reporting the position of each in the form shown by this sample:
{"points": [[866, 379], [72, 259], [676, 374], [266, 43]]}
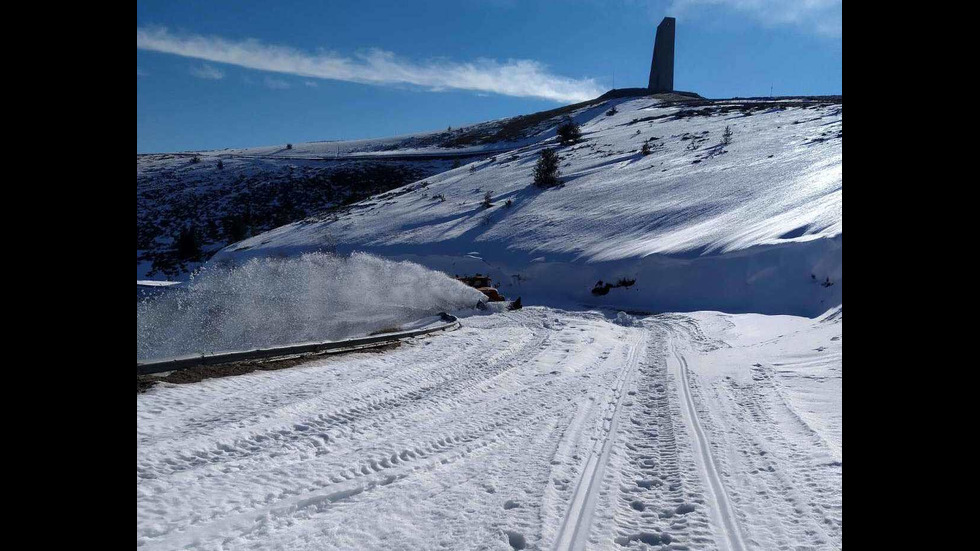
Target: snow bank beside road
{"points": [[276, 301], [802, 279]]}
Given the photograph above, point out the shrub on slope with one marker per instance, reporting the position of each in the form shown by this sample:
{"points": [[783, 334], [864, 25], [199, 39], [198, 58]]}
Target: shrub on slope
{"points": [[569, 132], [546, 173]]}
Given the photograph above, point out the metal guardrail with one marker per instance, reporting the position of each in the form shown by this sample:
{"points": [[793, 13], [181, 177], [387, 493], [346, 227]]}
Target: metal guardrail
{"points": [[185, 362]]}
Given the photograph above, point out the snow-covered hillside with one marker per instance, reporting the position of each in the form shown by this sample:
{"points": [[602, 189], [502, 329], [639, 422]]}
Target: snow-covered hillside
{"points": [[535, 429], [247, 195], [215, 198], [755, 225]]}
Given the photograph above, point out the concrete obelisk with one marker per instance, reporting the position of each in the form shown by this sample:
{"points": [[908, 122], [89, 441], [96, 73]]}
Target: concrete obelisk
{"points": [[662, 66]]}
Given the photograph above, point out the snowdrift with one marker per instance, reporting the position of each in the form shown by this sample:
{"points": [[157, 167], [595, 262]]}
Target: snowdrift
{"points": [[798, 279], [278, 301], [750, 224]]}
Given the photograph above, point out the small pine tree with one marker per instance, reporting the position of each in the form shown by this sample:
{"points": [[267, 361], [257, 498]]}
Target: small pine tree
{"points": [[726, 137], [569, 132], [188, 243], [289, 146], [546, 173], [221, 164], [645, 150], [195, 159], [235, 227], [487, 200]]}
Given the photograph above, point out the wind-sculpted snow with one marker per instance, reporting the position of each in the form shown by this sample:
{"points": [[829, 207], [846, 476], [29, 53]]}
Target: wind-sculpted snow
{"points": [[752, 222], [277, 301], [777, 180]]}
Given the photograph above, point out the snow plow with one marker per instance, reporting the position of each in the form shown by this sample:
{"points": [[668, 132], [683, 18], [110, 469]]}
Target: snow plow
{"points": [[482, 283]]}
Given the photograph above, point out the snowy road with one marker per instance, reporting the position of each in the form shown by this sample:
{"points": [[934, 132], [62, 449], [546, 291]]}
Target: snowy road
{"points": [[537, 429], [722, 510]]}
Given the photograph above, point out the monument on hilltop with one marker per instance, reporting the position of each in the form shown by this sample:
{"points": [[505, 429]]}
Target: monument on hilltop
{"points": [[662, 66]]}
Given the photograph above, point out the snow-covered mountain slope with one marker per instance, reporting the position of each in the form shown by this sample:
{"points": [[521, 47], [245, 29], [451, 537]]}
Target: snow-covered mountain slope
{"points": [[477, 139], [534, 429], [219, 197], [245, 196], [754, 225]]}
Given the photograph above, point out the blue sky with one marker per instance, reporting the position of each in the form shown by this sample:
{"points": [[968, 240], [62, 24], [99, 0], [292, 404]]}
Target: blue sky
{"points": [[218, 74]]}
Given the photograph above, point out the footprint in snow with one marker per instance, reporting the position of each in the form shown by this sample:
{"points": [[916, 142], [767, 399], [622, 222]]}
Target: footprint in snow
{"points": [[516, 539]]}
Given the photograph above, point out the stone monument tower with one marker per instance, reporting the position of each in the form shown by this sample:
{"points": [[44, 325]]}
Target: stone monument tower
{"points": [[662, 66]]}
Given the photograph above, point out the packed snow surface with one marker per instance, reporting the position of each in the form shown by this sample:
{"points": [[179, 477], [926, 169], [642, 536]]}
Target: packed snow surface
{"points": [[533, 429], [754, 224], [279, 301]]}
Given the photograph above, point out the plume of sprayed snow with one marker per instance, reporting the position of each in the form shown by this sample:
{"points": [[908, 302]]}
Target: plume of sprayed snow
{"points": [[626, 320], [279, 301]]}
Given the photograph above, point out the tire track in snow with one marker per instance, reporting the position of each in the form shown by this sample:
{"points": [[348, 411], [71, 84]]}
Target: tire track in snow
{"points": [[387, 445], [481, 394], [548, 403], [574, 531], [791, 466], [413, 394], [723, 511], [517, 430], [653, 493]]}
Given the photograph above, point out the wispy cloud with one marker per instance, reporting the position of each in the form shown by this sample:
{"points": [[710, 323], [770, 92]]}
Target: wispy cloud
{"points": [[208, 72], [522, 78], [823, 17], [276, 83], [140, 73]]}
